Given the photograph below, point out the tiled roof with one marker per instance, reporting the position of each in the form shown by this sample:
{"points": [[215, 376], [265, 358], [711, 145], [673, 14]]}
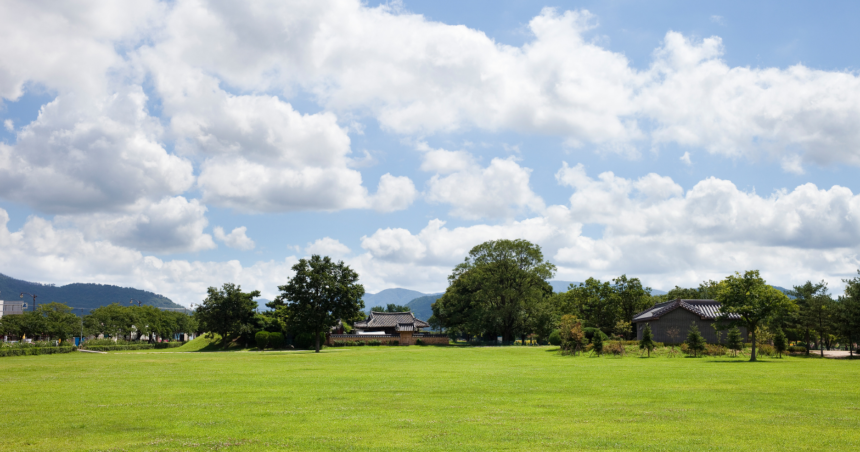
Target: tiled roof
{"points": [[706, 309], [391, 320]]}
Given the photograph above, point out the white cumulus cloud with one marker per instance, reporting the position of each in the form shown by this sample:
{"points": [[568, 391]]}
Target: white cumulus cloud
{"points": [[237, 238]]}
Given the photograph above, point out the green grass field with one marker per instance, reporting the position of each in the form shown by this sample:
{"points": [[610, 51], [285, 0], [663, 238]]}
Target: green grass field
{"points": [[425, 399]]}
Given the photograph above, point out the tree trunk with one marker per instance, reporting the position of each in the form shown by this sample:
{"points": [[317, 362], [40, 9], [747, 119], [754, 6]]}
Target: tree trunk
{"points": [[807, 342], [821, 344], [317, 339], [752, 355]]}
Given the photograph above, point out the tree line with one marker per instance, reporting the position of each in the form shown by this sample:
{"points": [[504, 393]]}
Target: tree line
{"points": [[58, 321], [501, 290]]}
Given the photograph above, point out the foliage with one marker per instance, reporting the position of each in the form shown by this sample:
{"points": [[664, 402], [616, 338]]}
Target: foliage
{"points": [[796, 349], [307, 340], [262, 339], [571, 334], [228, 312], [766, 349], [419, 342], [54, 320], [26, 351], [631, 298], [647, 342], [597, 344], [803, 319], [321, 292], [847, 315], [276, 340], [749, 297], [734, 341], [376, 342], [695, 342], [555, 338], [779, 342], [497, 290]]}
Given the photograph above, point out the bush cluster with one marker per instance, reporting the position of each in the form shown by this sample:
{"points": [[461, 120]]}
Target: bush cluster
{"points": [[796, 349]]}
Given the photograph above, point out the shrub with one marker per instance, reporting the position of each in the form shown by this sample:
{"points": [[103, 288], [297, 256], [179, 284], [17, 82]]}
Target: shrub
{"points": [[306, 340], [615, 348], [162, 345], [766, 349], [360, 343], [276, 340], [714, 350], [262, 339], [597, 343], [695, 342], [796, 349], [394, 343], [419, 342], [779, 342], [27, 351], [647, 342], [374, 342], [733, 341], [555, 338]]}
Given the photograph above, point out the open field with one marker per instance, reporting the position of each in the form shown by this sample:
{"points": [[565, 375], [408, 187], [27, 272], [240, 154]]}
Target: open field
{"points": [[425, 399]]}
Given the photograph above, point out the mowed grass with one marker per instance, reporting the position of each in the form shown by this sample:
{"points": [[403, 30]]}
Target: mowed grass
{"points": [[425, 399]]}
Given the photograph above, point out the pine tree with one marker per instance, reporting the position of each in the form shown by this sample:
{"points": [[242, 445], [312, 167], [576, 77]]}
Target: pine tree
{"points": [[597, 342], [779, 342], [647, 342], [734, 341], [695, 341]]}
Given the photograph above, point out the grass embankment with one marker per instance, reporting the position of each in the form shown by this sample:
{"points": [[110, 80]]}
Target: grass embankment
{"points": [[427, 399]]}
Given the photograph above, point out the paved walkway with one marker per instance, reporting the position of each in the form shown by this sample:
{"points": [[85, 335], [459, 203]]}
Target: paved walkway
{"points": [[833, 353]]}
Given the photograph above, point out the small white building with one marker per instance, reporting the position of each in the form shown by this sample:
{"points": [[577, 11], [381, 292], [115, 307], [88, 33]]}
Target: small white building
{"points": [[11, 307]]}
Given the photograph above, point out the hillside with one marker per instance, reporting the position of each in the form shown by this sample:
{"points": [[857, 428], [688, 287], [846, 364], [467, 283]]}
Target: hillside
{"points": [[395, 296], [422, 306], [78, 295]]}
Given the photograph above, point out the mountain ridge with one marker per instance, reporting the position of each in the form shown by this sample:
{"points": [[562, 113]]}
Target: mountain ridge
{"points": [[80, 295]]}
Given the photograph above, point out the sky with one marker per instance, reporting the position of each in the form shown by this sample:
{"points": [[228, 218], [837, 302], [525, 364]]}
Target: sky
{"points": [[174, 146]]}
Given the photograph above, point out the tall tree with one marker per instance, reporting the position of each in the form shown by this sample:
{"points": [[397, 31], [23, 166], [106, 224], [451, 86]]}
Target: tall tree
{"points": [[228, 312], [803, 319], [821, 310], [60, 322], [501, 280], [749, 297], [320, 293], [848, 312], [632, 298]]}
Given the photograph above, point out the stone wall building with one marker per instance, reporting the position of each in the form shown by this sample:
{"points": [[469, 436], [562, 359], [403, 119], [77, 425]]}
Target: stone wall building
{"points": [[677, 316]]}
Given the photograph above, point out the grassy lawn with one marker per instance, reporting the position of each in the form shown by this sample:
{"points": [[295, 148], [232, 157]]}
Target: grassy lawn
{"points": [[425, 399]]}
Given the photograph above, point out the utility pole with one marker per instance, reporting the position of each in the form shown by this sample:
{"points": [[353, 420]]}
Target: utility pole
{"points": [[34, 299]]}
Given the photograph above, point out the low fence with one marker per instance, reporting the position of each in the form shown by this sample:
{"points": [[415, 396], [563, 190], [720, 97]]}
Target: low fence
{"points": [[389, 339]]}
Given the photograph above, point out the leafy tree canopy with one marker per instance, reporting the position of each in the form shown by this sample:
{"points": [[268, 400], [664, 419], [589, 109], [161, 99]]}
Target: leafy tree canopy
{"points": [[496, 289], [321, 292], [748, 296], [228, 312]]}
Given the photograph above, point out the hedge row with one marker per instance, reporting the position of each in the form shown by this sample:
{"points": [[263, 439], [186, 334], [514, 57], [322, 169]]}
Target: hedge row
{"points": [[10, 351], [113, 348]]}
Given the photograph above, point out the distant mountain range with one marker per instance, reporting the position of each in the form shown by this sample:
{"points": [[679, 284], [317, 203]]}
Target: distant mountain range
{"points": [[78, 295]]}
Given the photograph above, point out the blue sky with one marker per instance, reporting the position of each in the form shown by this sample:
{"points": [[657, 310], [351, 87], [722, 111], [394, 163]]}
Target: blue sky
{"points": [[174, 146]]}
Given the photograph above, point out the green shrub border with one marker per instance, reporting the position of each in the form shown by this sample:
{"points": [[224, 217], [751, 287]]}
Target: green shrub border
{"points": [[25, 351], [114, 348]]}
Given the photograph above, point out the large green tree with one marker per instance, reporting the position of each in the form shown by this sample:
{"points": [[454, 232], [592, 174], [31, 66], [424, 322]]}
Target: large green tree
{"points": [[748, 296], [496, 289], [632, 298], [596, 303], [321, 292], [228, 312]]}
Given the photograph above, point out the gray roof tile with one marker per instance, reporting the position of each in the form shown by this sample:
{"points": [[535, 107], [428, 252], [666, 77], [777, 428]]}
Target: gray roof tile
{"points": [[391, 320], [707, 309]]}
